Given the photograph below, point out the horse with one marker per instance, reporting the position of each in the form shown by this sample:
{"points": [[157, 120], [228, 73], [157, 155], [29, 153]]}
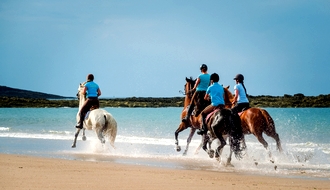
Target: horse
{"points": [[99, 120], [223, 124], [255, 121], [193, 122]]}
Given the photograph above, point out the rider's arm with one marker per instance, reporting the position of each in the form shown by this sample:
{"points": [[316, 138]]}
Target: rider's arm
{"points": [[84, 91], [206, 97], [98, 92], [197, 83], [236, 96]]}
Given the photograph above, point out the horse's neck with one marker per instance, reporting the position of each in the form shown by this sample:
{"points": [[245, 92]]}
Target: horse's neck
{"points": [[81, 100], [228, 97], [187, 100]]}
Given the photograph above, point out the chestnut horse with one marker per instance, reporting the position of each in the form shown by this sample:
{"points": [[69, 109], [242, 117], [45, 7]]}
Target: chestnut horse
{"points": [[255, 121], [193, 122]]}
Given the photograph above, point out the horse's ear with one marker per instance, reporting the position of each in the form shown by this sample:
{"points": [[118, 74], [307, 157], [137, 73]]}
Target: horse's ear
{"points": [[227, 87]]}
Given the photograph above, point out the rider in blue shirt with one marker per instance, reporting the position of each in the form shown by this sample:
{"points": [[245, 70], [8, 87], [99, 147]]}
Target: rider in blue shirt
{"points": [[201, 85], [92, 92], [216, 93]]}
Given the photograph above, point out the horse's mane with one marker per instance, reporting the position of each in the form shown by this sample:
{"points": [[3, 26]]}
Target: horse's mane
{"points": [[190, 79], [228, 95]]}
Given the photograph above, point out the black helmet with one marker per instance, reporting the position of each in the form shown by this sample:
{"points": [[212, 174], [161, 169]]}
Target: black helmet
{"points": [[203, 66], [239, 77], [215, 77]]}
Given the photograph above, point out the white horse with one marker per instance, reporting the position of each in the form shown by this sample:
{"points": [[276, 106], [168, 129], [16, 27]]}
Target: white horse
{"points": [[98, 120]]}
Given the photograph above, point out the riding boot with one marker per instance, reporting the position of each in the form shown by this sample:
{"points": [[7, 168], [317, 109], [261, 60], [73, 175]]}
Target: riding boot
{"points": [[204, 128], [81, 122], [190, 110]]}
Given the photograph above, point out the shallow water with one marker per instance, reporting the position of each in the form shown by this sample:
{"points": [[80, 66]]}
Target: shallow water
{"points": [[146, 137]]}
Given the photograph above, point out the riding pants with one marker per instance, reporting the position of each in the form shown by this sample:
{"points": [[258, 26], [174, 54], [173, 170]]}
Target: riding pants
{"points": [[239, 107], [89, 103]]}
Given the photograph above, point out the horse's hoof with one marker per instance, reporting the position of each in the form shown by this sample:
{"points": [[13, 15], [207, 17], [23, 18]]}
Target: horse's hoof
{"points": [[211, 153], [84, 138], [185, 153], [73, 146], [229, 165], [178, 148]]}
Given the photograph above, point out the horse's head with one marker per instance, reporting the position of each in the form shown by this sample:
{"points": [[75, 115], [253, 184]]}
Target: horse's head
{"points": [[228, 97], [190, 83], [80, 89]]}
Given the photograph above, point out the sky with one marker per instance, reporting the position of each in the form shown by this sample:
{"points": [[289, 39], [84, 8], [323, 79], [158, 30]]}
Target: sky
{"points": [[146, 48]]}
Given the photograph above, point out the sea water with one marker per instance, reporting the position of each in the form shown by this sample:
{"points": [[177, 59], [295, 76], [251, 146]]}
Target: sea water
{"points": [[146, 137]]}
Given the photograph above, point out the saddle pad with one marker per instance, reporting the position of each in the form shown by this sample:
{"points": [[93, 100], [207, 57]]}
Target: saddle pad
{"points": [[87, 114], [210, 114]]}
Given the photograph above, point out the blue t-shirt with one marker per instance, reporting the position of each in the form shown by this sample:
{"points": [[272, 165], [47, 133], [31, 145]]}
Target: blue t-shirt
{"points": [[242, 98], [204, 82], [91, 91], [216, 92]]}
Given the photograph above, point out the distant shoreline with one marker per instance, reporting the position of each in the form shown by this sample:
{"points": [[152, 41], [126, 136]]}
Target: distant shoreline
{"points": [[17, 98], [287, 101]]}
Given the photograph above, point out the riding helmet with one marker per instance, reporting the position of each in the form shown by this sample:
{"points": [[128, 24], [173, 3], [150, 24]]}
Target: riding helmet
{"points": [[215, 77], [239, 77], [203, 66]]}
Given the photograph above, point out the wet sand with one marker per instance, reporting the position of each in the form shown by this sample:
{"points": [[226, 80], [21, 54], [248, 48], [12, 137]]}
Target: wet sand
{"points": [[29, 172]]}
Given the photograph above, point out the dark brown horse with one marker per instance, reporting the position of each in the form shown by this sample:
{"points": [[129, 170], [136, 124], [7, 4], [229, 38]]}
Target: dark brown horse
{"points": [[256, 121], [193, 122], [224, 124]]}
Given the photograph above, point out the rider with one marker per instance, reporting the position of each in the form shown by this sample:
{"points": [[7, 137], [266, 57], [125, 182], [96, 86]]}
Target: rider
{"points": [[216, 93], [240, 99], [203, 81], [92, 92]]}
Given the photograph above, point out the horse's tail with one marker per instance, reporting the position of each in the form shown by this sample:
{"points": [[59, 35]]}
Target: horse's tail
{"points": [[237, 140], [110, 128], [269, 120], [270, 128]]}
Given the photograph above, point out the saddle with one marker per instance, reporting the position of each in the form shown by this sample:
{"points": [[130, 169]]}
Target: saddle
{"points": [[210, 114], [91, 109], [240, 113]]}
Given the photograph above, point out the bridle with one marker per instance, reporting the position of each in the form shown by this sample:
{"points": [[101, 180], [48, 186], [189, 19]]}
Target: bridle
{"points": [[188, 91]]}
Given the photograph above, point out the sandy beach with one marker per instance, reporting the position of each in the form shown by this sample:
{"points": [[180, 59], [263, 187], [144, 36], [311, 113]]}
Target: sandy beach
{"points": [[28, 172]]}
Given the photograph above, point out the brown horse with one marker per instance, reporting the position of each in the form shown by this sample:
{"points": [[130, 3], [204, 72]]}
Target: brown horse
{"points": [[255, 121], [193, 122]]}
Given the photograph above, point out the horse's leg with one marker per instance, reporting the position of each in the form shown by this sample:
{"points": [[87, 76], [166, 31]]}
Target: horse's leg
{"points": [[219, 149], [271, 131], [228, 163], [84, 135], [192, 132], [199, 147], [181, 127], [261, 140], [75, 138], [207, 140], [99, 133], [264, 143], [210, 141], [278, 142]]}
